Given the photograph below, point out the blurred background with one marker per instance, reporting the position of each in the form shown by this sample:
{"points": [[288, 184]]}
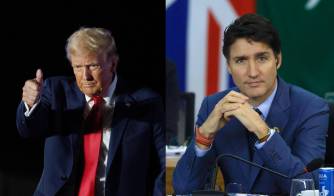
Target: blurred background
{"points": [[194, 31], [33, 35]]}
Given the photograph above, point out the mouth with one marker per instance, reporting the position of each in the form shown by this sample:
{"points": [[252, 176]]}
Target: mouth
{"points": [[253, 83], [88, 85]]}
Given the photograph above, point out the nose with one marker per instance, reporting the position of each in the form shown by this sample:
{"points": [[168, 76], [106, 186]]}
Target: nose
{"points": [[87, 74], [253, 71]]}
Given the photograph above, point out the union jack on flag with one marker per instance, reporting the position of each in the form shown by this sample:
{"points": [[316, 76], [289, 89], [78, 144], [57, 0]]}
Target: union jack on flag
{"points": [[194, 34]]}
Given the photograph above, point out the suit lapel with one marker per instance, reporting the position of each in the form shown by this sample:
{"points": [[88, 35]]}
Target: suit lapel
{"points": [[277, 117], [119, 123]]}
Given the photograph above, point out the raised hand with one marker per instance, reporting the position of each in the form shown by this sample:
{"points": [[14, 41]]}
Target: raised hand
{"points": [[32, 89]]}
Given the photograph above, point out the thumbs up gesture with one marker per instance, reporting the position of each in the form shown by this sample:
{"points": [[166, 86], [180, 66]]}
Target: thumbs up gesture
{"points": [[32, 89]]}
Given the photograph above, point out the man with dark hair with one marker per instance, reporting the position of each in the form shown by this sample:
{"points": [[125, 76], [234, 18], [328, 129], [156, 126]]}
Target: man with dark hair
{"points": [[263, 119]]}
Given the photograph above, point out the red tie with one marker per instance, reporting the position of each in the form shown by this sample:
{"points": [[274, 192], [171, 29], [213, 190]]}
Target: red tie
{"points": [[92, 142]]}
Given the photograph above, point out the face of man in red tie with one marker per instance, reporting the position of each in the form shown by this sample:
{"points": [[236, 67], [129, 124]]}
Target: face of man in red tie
{"points": [[93, 73]]}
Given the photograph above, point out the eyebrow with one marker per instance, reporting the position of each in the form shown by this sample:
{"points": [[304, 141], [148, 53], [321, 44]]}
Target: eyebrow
{"points": [[262, 54], [86, 65], [242, 57]]}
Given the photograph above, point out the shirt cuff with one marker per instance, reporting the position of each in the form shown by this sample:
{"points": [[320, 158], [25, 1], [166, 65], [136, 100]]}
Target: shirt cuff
{"points": [[201, 152], [28, 111], [260, 145]]}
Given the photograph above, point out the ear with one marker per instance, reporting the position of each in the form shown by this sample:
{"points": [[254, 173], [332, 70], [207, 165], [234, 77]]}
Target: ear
{"points": [[228, 67], [114, 62], [278, 60]]}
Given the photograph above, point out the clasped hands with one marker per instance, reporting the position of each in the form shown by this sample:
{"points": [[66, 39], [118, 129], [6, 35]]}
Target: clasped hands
{"points": [[237, 105]]}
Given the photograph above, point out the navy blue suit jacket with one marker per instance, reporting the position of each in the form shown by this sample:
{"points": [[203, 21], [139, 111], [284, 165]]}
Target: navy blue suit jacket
{"points": [[136, 159], [302, 119]]}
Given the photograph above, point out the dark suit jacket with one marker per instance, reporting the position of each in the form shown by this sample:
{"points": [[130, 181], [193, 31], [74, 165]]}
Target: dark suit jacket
{"points": [[136, 159], [302, 119]]}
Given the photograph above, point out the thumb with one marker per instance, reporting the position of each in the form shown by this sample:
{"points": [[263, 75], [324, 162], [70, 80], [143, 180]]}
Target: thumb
{"points": [[39, 76]]}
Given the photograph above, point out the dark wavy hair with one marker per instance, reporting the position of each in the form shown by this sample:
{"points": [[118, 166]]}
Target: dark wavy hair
{"points": [[254, 27]]}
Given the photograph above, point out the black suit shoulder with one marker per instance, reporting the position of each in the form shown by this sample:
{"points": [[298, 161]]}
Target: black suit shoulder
{"points": [[141, 104]]}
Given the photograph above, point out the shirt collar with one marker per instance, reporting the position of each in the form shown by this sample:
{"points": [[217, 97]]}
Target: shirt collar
{"points": [[265, 106], [111, 90]]}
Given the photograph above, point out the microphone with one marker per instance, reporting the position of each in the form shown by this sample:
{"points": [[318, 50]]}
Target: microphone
{"points": [[252, 164], [311, 166]]}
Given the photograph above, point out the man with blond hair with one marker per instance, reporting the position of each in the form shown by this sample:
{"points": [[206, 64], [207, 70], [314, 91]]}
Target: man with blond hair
{"points": [[101, 138]]}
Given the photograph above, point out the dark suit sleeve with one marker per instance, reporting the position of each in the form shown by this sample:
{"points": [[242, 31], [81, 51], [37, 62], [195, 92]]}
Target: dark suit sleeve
{"points": [[191, 172], [37, 123], [310, 140]]}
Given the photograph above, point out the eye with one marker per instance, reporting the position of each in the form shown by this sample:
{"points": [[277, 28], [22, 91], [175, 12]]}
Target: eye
{"points": [[77, 67], [262, 59], [94, 67], [240, 61]]}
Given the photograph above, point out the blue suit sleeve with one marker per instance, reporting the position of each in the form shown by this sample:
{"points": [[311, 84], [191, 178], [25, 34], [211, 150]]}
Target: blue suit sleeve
{"points": [[191, 172], [310, 143]]}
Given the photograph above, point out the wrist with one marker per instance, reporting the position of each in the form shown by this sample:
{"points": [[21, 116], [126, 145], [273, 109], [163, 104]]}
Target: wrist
{"points": [[203, 132], [203, 141], [265, 137], [201, 146], [261, 130]]}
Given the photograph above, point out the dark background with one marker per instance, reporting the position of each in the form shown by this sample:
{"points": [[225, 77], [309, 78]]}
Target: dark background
{"points": [[33, 35]]}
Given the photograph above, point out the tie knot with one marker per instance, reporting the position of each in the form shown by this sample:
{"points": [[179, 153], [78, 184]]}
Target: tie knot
{"points": [[97, 100]]}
